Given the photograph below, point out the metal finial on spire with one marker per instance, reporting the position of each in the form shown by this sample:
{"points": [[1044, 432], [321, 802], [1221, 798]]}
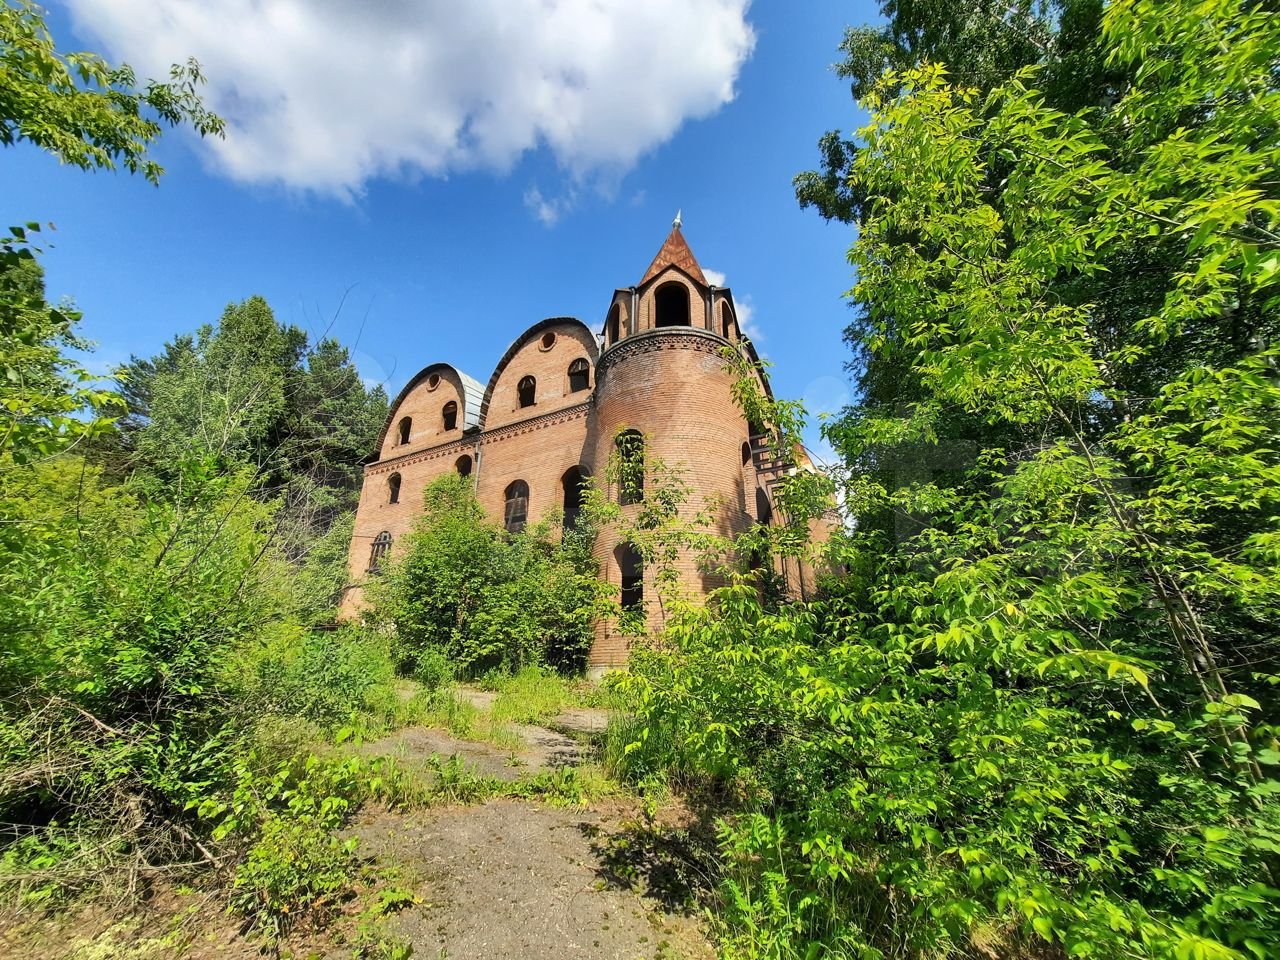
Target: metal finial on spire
{"points": [[675, 224]]}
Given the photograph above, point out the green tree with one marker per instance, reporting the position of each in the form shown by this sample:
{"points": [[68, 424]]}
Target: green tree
{"points": [[1045, 710], [82, 109], [465, 589], [43, 394]]}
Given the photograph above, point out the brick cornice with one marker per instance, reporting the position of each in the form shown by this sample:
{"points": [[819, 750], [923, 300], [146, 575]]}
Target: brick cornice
{"points": [[663, 338], [467, 444]]}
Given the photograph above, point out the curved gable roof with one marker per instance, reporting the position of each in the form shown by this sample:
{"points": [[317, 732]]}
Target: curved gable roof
{"points": [[472, 395], [542, 325]]}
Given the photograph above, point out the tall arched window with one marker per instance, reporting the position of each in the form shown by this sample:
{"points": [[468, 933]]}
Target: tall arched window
{"points": [[671, 305], [579, 375], [630, 444], [726, 321], [526, 390], [574, 483], [613, 326], [463, 465], [406, 424], [630, 575], [393, 488], [381, 544], [450, 415], [516, 512]]}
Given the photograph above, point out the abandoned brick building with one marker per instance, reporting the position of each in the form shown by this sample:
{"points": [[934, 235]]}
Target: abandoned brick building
{"points": [[551, 414]]}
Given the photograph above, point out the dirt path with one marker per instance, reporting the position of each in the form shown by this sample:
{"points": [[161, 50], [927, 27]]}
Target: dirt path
{"points": [[511, 880], [542, 749]]}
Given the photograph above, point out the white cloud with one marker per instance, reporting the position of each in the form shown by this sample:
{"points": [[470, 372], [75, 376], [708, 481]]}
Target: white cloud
{"points": [[746, 317], [326, 94], [743, 305], [549, 210]]}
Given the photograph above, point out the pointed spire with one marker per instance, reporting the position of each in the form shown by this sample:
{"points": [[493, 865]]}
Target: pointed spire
{"points": [[675, 252]]}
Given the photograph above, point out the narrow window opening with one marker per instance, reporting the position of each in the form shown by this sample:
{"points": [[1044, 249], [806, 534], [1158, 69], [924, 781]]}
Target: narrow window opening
{"points": [[574, 483], [393, 488], [614, 324], [526, 389], [381, 544], [764, 512], [450, 415], [406, 424], [726, 321], [630, 445], [746, 452], [671, 305], [631, 576], [463, 465], [579, 375], [516, 512]]}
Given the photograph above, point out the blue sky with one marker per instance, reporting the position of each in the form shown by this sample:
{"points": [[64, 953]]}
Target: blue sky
{"points": [[413, 246]]}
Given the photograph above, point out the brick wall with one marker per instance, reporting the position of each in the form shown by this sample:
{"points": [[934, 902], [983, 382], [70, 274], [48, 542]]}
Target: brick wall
{"points": [[669, 383]]}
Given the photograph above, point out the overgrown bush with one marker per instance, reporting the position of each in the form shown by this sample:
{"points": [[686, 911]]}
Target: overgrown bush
{"points": [[465, 589], [325, 676]]}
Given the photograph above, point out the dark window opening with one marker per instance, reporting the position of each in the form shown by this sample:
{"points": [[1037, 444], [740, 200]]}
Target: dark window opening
{"points": [[726, 321], [746, 452], [463, 466], [764, 512], [671, 305], [614, 324], [526, 390], [630, 444], [393, 488], [450, 415], [548, 340], [406, 424], [381, 544], [631, 576], [579, 375], [516, 513], [574, 483]]}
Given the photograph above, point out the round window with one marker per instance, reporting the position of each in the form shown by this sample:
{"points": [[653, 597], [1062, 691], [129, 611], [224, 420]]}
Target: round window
{"points": [[548, 340], [433, 381]]}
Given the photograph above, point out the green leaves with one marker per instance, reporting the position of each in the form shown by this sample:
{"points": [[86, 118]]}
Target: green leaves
{"points": [[82, 110]]}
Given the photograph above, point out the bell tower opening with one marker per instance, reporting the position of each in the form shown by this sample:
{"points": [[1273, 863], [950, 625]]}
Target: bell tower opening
{"points": [[671, 305]]}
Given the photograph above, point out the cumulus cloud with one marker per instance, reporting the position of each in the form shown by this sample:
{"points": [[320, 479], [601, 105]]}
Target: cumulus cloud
{"points": [[324, 95], [742, 302]]}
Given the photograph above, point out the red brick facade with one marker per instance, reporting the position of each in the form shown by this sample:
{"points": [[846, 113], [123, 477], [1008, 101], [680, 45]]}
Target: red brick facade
{"points": [[659, 372]]}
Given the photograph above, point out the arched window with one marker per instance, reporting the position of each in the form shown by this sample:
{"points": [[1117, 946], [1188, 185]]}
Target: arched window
{"points": [[671, 305], [764, 512], [516, 512], [463, 465], [450, 415], [381, 544], [726, 321], [613, 326], [630, 575], [406, 424], [746, 452], [579, 375], [574, 483], [630, 444], [393, 488], [526, 390]]}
